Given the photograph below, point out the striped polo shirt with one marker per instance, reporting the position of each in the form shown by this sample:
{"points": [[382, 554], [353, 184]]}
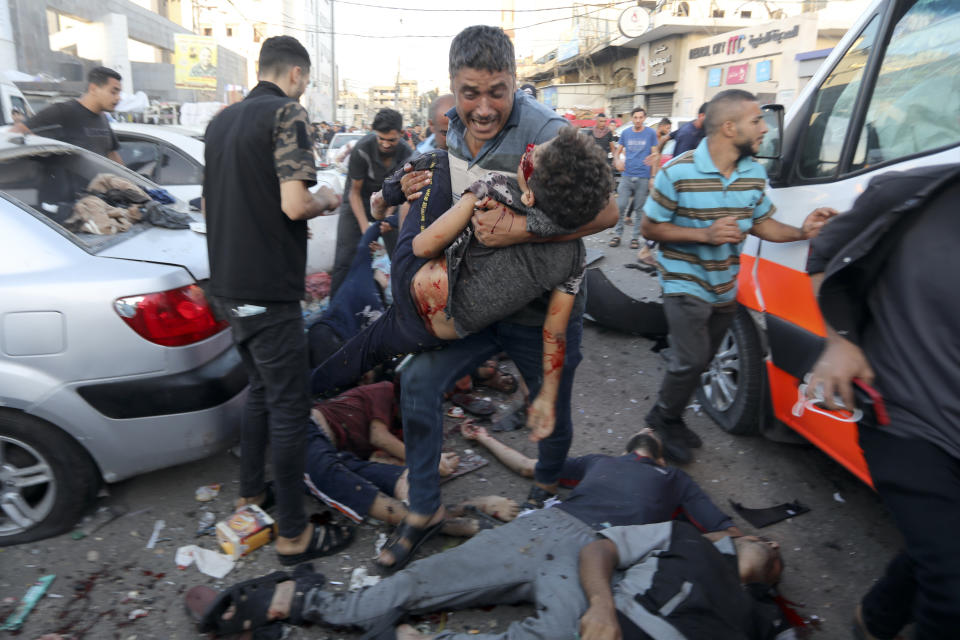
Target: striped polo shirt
{"points": [[690, 192]]}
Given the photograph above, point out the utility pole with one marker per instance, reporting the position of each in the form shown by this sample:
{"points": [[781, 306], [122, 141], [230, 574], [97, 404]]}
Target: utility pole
{"points": [[333, 65]]}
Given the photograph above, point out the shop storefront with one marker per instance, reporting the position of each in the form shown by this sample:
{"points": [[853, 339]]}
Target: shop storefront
{"points": [[761, 60], [658, 69]]}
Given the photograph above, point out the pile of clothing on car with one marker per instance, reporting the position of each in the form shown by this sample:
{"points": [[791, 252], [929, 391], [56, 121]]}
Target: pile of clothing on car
{"points": [[111, 204]]}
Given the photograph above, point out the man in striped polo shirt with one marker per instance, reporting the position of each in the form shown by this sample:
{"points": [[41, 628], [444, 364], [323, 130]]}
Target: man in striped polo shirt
{"points": [[702, 205]]}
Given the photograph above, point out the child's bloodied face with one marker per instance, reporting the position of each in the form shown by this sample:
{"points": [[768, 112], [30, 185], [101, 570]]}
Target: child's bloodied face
{"points": [[525, 171]]}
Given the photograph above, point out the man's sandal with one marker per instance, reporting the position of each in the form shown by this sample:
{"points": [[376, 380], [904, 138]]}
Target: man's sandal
{"points": [[251, 601], [536, 498], [634, 244], [614, 242], [402, 555], [327, 539]]}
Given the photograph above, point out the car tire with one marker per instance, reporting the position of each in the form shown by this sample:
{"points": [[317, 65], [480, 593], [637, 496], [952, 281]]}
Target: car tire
{"points": [[46, 479], [731, 389]]}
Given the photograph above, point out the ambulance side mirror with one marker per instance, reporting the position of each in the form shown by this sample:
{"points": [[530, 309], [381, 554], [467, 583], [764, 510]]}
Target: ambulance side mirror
{"points": [[772, 147]]}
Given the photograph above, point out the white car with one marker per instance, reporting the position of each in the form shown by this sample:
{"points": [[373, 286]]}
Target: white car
{"points": [[172, 157]]}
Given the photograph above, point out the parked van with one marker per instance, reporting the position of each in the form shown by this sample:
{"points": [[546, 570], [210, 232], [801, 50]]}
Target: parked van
{"points": [[11, 101], [886, 99]]}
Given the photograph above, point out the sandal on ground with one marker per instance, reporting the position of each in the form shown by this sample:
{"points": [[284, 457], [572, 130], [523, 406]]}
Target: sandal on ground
{"points": [[514, 421], [327, 539], [476, 406], [251, 601], [536, 498], [200, 598], [614, 242], [634, 244], [499, 380], [416, 536]]}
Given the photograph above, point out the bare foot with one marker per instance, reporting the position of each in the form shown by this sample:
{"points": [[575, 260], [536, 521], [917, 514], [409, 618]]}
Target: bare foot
{"points": [[254, 500], [299, 544], [386, 558], [406, 632], [503, 509], [461, 527]]}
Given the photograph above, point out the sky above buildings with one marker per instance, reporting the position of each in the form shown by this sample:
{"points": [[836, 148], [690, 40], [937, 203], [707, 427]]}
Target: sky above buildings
{"points": [[415, 39]]}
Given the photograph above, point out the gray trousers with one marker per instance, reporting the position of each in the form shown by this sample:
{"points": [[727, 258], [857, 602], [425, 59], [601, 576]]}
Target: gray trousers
{"points": [[696, 329], [637, 189], [532, 559]]}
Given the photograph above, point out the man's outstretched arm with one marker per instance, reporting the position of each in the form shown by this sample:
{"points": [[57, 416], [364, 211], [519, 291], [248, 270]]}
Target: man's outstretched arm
{"points": [[597, 562], [499, 226]]}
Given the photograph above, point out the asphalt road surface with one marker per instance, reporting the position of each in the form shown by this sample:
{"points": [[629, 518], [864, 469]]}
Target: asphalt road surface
{"points": [[832, 554]]}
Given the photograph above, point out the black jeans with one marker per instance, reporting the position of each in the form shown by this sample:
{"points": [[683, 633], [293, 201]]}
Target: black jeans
{"points": [[920, 484], [273, 346]]}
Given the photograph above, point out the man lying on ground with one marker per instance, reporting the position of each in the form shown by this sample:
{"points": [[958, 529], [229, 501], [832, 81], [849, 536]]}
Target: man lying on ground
{"points": [[346, 431], [447, 286], [531, 559]]}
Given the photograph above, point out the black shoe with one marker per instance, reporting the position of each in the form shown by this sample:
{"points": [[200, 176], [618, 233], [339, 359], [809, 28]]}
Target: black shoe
{"points": [[678, 426], [673, 437]]}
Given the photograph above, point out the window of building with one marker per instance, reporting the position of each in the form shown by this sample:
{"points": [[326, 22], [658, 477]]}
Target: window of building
{"points": [[718, 13], [746, 14], [258, 30], [207, 31], [230, 31]]}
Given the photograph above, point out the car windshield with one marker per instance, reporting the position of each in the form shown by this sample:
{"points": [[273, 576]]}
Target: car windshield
{"points": [[341, 139]]}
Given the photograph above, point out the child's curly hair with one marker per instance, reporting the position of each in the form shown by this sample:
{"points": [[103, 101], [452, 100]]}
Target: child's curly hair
{"points": [[571, 180]]}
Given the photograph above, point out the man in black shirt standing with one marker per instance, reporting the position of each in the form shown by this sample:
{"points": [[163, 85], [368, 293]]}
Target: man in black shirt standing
{"points": [[374, 158], [82, 122], [259, 165]]}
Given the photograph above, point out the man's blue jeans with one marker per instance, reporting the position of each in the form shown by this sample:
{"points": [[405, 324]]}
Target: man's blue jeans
{"points": [[426, 378], [635, 188]]}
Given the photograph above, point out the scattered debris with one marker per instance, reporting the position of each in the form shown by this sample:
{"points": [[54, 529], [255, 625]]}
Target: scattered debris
{"points": [[157, 528], [209, 562], [206, 525], [93, 555], [838, 497], [378, 545], [138, 613], [27, 603], [207, 492], [455, 412], [761, 518], [360, 579]]}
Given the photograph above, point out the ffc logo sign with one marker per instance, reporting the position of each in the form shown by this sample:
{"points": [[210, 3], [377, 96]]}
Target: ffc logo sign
{"points": [[735, 45]]}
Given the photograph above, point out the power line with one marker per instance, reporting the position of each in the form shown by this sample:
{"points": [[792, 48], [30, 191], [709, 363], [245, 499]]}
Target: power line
{"points": [[608, 5]]}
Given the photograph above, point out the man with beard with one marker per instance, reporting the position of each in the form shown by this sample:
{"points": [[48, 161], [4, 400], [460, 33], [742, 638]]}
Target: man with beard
{"points": [[374, 157], [700, 253], [603, 136]]}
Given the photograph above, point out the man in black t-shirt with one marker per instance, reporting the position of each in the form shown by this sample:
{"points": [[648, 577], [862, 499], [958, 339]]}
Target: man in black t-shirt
{"points": [[259, 165], [82, 122], [374, 158]]}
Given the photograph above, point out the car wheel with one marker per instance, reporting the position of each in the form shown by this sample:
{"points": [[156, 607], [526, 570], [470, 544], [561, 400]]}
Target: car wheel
{"points": [[46, 479], [731, 389]]}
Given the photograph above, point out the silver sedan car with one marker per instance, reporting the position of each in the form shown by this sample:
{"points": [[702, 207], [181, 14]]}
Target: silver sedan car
{"points": [[111, 361]]}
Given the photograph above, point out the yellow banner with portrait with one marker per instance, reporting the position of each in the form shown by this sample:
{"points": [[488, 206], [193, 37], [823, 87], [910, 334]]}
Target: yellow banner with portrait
{"points": [[195, 62]]}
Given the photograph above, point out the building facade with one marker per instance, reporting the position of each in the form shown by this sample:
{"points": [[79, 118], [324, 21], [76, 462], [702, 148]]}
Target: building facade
{"points": [[70, 37]]}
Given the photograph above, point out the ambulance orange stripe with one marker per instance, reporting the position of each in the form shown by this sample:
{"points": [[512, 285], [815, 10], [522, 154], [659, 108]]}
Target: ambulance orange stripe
{"points": [[836, 439], [786, 293], [746, 286]]}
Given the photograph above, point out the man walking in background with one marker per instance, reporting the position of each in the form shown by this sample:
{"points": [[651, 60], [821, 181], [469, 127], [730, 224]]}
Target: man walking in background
{"points": [[638, 141], [83, 121], [373, 158]]}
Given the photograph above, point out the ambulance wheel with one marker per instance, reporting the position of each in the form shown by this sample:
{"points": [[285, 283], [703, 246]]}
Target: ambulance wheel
{"points": [[731, 389]]}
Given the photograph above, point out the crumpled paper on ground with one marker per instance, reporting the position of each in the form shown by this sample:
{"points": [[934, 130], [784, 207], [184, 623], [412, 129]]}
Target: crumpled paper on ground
{"points": [[209, 562]]}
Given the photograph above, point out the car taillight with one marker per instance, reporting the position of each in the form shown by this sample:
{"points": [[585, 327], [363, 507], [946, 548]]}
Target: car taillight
{"points": [[171, 318]]}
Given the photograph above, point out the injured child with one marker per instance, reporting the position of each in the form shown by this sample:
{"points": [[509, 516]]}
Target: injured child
{"points": [[446, 285], [535, 558]]}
